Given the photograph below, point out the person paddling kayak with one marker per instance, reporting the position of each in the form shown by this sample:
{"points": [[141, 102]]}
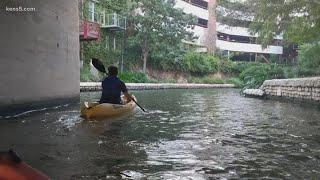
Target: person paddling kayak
{"points": [[112, 87]]}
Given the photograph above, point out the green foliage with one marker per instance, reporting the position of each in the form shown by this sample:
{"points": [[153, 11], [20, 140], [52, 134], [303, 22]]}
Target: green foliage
{"points": [[133, 77], [199, 63], [309, 60], [159, 28], [98, 50], [236, 81], [231, 12], [290, 72], [298, 20], [241, 66], [227, 66], [114, 5], [169, 59], [205, 80], [255, 74], [86, 76], [215, 80]]}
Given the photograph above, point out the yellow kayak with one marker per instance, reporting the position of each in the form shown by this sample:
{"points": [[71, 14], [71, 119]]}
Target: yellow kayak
{"points": [[105, 110]]}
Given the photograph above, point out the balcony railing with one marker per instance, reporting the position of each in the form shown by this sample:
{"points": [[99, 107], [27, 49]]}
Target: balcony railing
{"points": [[113, 21]]}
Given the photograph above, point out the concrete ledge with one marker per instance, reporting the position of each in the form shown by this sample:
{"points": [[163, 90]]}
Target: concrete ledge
{"points": [[96, 86]]}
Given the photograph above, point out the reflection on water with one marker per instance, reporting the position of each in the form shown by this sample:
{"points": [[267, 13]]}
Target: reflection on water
{"points": [[195, 134]]}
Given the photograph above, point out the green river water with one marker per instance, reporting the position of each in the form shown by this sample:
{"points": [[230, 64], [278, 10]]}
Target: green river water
{"points": [[185, 134]]}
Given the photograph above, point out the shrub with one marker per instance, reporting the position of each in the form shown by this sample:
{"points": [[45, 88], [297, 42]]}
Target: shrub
{"points": [[133, 77], [236, 81], [205, 80], [86, 76], [309, 60], [227, 66], [290, 72], [255, 75], [198, 63], [241, 66]]}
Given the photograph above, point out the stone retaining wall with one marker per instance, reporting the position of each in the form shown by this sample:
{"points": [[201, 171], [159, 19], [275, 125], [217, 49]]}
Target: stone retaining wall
{"points": [[300, 88], [96, 86]]}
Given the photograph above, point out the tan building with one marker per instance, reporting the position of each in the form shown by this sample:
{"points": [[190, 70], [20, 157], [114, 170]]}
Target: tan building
{"points": [[215, 35]]}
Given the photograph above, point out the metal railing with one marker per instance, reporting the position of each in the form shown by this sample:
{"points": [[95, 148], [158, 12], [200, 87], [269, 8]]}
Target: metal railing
{"points": [[113, 20]]}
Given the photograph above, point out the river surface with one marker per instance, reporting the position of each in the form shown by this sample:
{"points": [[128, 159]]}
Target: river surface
{"points": [[186, 134]]}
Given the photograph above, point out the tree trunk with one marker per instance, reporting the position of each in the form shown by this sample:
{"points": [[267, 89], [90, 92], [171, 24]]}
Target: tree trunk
{"points": [[211, 35], [145, 54]]}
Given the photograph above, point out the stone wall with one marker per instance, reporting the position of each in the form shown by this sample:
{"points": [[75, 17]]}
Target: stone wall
{"points": [[300, 88], [39, 51]]}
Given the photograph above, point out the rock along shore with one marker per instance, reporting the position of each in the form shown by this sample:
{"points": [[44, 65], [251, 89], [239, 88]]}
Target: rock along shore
{"points": [[96, 86]]}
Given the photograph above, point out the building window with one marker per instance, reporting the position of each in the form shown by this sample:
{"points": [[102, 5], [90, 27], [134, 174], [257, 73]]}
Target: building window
{"points": [[199, 3], [244, 39], [202, 22], [91, 11]]}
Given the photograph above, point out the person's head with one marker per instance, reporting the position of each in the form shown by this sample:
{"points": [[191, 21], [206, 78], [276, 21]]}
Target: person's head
{"points": [[112, 71]]}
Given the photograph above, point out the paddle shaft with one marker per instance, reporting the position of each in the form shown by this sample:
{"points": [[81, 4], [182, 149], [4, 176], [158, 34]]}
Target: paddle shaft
{"points": [[138, 105]]}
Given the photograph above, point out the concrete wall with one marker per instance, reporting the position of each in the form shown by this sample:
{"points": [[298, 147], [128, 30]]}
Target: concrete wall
{"points": [[300, 88], [39, 51]]}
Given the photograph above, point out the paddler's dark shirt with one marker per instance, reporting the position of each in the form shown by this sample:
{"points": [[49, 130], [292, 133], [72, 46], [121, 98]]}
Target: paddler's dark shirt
{"points": [[112, 87]]}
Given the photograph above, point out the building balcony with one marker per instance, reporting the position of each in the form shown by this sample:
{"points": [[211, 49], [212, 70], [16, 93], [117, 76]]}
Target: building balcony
{"points": [[89, 30], [114, 22], [238, 31], [250, 48], [192, 9]]}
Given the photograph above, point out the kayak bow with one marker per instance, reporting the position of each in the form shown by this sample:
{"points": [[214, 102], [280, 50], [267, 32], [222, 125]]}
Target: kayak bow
{"points": [[12, 167]]}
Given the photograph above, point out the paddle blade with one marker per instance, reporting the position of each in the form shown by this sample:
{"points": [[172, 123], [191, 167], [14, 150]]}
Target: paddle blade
{"points": [[98, 65]]}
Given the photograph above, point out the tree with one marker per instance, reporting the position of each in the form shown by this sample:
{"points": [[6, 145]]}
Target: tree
{"points": [[297, 20], [98, 48], [156, 26], [309, 61], [234, 13]]}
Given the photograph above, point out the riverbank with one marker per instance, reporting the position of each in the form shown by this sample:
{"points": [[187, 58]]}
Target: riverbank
{"points": [[96, 86]]}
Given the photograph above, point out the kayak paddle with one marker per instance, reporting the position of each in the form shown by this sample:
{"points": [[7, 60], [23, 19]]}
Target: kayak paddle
{"points": [[100, 67]]}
